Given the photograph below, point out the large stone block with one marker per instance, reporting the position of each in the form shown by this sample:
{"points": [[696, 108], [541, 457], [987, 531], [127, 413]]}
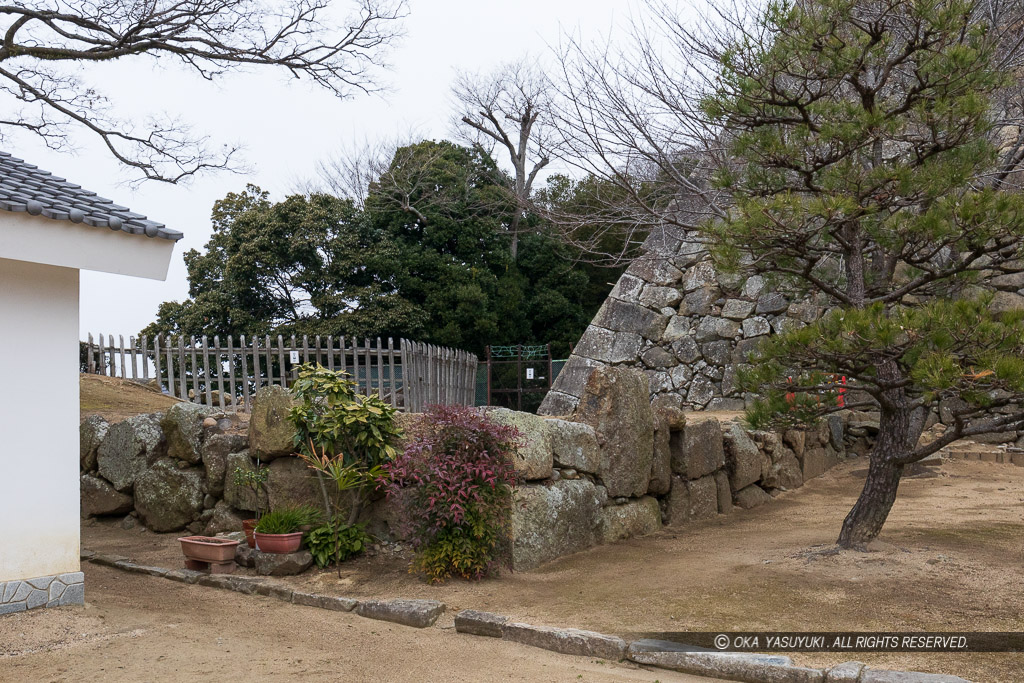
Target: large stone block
{"points": [[1004, 302], [569, 641], [737, 309], [608, 346], [282, 564], [658, 358], [169, 498], [574, 444], [572, 380], [128, 448], [290, 483], [534, 458], [782, 472], [657, 297], [697, 450], [635, 518], [699, 301], [242, 497], [616, 403], [183, 427], [558, 403], [551, 521], [678, 328], [745, 460], [223, 519], [625, 316], [100, 498], [692, 500], [215, 452], [91, 433], [750, 497], [813, 462], [701, 391], [271, 435], [654, 270], [480, 623]]}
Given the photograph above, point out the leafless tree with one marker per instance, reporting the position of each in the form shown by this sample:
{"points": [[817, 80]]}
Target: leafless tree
{"points": [[511, 108], [399, 171], [353, 170], [630, 114], [46, 42]]}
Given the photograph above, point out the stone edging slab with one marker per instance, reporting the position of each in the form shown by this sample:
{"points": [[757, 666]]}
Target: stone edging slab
{"points": [[746, 668], [416, 613]]}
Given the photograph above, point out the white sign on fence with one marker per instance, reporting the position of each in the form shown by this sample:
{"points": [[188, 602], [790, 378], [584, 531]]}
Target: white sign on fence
{"points": [[295, 357]]}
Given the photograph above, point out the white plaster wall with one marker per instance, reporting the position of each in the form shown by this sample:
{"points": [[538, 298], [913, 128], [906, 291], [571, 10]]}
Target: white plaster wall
{"points": [[76, 245], [39, 416]]}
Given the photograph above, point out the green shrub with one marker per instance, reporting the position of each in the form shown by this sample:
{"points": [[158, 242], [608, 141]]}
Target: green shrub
{"points": [[453, 486], [342, 436], [288, 520], [336, 541], [256, 481]]}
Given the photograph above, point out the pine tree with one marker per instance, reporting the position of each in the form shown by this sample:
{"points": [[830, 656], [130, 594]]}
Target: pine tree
{"points": [[860, 140]]}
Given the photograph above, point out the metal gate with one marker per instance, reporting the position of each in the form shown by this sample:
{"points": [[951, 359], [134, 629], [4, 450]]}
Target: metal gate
{"points": [[518, 375]]}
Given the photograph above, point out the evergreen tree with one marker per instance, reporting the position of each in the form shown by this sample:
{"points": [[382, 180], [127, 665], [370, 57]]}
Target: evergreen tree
{"points": [[859, 151]]}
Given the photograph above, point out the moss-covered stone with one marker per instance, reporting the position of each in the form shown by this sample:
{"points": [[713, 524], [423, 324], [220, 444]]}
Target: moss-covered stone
{"points": [[167, 497], [271, 435]]}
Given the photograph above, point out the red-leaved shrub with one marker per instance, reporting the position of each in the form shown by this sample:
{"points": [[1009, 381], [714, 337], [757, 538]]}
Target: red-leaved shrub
{"points": [[453, 487]]}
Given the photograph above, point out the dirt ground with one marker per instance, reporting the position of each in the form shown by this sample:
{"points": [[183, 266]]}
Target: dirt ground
{"points": [[115, 399], [949, 559], [139, 628]]}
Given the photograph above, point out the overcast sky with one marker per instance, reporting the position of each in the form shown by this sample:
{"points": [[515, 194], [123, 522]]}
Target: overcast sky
{"points": [[286, 126]]}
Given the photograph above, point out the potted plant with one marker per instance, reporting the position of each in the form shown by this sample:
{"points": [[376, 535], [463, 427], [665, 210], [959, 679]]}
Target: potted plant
{"points": [[280, 530], [209, 552], [255, 480]]}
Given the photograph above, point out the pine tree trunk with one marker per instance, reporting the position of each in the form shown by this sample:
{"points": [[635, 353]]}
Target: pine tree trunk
{"points": [[864, 522]]}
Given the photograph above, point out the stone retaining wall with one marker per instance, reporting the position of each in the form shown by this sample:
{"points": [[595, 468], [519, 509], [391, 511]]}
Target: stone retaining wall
{"points": [[625, 467], [621, 467]]}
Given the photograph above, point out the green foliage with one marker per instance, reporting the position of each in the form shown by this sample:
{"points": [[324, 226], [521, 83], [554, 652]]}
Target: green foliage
{"points": [[947, 348], [453, 488], [341, 435], [861, 151], [336, 541], [428, 258], [288, 520], [291, 267], [467, 550], [255, 480], [330, 415]]}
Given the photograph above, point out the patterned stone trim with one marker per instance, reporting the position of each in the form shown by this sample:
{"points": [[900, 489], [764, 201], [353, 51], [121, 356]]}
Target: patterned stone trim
{"points": [[46, 591]]}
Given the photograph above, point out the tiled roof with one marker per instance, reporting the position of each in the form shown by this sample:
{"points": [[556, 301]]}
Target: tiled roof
{"points": [[24, 187]]}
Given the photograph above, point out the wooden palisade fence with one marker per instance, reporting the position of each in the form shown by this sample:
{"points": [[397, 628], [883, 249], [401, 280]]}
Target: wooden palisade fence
{"points": [[204, 370]]}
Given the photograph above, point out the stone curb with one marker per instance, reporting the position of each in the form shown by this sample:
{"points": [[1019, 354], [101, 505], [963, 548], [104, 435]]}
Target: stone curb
{"points": [[746, 668], [743, 667], [416, 613]]}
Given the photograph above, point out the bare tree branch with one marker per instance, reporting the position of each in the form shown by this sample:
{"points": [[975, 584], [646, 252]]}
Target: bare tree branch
{"points": [[46, 96]]}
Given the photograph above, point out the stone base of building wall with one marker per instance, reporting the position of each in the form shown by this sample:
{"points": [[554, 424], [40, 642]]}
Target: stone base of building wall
{"points": [[45, 591]]}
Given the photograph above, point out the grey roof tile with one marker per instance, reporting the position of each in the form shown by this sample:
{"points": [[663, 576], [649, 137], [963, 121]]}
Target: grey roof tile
{"points": [[25, 187]]}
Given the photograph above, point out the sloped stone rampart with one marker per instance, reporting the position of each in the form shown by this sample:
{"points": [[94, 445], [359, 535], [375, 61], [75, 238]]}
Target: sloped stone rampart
{"points": [[686, 326]]}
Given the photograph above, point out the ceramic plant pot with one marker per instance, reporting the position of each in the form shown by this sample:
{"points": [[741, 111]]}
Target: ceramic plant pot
{"points": [[248, 525], [278, 543], [208, 548]]}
